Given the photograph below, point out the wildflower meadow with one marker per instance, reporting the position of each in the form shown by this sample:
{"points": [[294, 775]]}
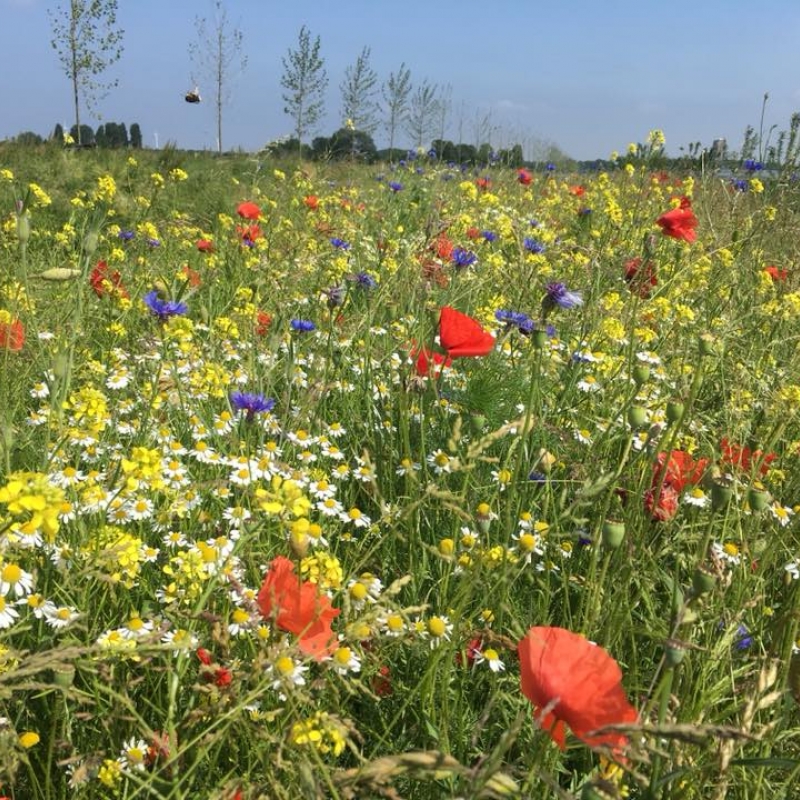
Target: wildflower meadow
{"points": [[403, 480]]}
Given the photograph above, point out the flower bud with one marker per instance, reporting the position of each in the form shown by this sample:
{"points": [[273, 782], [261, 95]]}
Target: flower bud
{"points": [[721, 495], [674, 653], [675, 411], [703, 581], [23, 227], [641, 374], [758, 499]]}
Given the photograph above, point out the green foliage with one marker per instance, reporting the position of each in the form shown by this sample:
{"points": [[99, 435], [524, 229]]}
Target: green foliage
{"points": [[304, 81]]}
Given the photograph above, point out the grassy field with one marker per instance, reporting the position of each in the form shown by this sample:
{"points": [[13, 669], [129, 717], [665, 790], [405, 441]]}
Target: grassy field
{"points": [[421, 482]]}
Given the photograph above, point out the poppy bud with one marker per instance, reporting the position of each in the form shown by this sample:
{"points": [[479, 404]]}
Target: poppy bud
{"points": [[641, 373], [675, 411], [64, 677], [477, 422], [23, 227], [613, 533], [637, 416]]}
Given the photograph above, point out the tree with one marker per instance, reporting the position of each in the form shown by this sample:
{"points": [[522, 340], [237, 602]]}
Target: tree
{"points": [[136, 136], [217, 55], [83, 136], [304, 80], [395, 93], [345, 143], [87, 41], [58, 134], [358, 95], [423, 114]]}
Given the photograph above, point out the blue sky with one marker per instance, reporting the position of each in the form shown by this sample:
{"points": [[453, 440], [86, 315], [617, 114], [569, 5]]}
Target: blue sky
{"points": [[589, 76]]}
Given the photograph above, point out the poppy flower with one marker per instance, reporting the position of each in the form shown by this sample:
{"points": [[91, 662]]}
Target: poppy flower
{"points": [[263, 321], [311, 202], [744, 458], [103, 281], [484, 184], [248, 210], [641, 276], [524, 177], [663, 507], [248, 233], [679, 223], [298, 606], [191, 276], [12, 333], [425, 359], [462, 336], [681, 469], [443, 247], [577, 190], [572, 682], [777, 275], [205, 245]]}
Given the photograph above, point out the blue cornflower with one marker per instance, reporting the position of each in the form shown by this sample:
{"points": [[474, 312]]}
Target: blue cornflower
{"points": [[164, 309], [252, 404], [341, 244], [489, 236], [153, 243], [304, 325], [335, 296], [557, 294], [515, 318], [740, 184], [743, 638], [432, 153], [534, 223], [395, 186], [751, 165], [550, 166], [365, 280], [126, 236], [584, 212], [533, 245], [463, 258], [537, 477]]}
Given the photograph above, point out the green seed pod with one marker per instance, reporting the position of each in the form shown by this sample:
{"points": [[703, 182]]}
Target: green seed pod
{"points": [[637, 417], [675, 410], [721, 495], [477, 422], [758, 499], [703, 581], [23, 227], [613, 533], [641, 374]]}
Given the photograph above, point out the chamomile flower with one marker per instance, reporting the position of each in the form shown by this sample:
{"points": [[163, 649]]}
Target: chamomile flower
{"points": [[727, 552], [407, 467], [240, 622], [393, 625], [793, 569], [60, 617], [133, 755], [8, 614], [583, 435], [236, 516], [286, 672], [15, 580], [357, 517], [344, 660], [440, 462], [438, 630], [491, 658], [781, 513], [697, 497], [180, 640]]}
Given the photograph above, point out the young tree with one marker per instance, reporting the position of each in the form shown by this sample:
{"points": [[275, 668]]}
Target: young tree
{"points": [[87, 41], [217, 56], [395, 93], [423, 114], [136, 136], [304, 80], [358, 94]]}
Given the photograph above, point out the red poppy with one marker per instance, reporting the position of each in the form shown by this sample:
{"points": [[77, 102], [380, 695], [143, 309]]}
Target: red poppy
{"points": [[248, 233], [248, 210], [426, 359], [443, 247], [104, 281], [205, 245], [473, 233], [681, 469], [571, 681], [778, 275], [191, 276], [311, 202], [524, 177], [484, 184], [578, 191], [471, 652], [744, 458], [382, 682], [298, 607], [463, 336], [663, 508], [12, 335], [640, 277], [679, 223], [263, 321]]}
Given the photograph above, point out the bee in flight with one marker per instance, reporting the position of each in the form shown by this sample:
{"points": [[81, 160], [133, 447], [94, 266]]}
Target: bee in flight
{"points": [[193, 96]]}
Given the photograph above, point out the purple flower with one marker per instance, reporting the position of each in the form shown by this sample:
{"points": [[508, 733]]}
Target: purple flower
{"points": [[511, 318], [489, 236], [164, 309], [153, 243], [302, 325], [557, 294], [533, 245], [335, 296], [340, 244], [395, 186], [365, 280], [126, 236], [252, 404], [463, 258]]}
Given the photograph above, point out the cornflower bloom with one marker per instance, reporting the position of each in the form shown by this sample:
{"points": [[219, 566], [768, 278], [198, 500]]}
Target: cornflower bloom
{"points": [[463, 258], [303, 325], [164, 309], [340, 244], [557, 294], [251, 403], [533, 246]]}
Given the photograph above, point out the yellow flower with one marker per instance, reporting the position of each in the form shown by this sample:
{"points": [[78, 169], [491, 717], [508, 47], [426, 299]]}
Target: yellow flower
{"points": [[29, 739]]}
